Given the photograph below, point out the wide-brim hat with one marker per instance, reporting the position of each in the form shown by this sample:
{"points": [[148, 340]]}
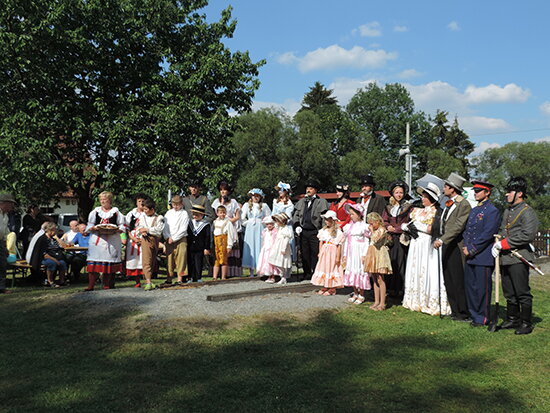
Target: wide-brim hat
{"points": [[330, 214], [431, 189], [282, 186], [267, 220], [199, 209], [482, 185], [7, 197], [282, 217], [256, 191], [400, 184], [367, 180], [456, 181], [356, 207]]}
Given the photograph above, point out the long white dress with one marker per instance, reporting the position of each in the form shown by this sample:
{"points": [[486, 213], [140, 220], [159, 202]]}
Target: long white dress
{"points": [[134, 265], [280, 255], [424, 286], [356, 244], [104, 250], [288, 209]]}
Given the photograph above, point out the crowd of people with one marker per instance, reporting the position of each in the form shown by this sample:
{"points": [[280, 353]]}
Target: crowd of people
{"points": [[431, 257]]}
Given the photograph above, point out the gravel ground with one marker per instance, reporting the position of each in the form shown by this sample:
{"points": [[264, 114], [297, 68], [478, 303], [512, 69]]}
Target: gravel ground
{"points": [[169, 303], [191, 303]]}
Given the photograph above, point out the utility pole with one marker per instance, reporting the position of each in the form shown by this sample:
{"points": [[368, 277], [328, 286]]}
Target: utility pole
{"points": [[408, 158]]}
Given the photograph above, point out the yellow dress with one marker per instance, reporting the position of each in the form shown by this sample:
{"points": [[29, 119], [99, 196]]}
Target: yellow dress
{"points": [[378, 259]]}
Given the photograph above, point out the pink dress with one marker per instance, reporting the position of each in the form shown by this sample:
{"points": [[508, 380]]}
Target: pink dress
{"points": [[356, 244], [264, 267], [327, 274]]}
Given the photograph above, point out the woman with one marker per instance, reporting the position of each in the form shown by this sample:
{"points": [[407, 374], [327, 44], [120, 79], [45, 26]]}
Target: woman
{"points": [[31, 225], [253, 212], [342, 193], [396, 213], [49, 253], [105, 223], [233, 212], [134, 266], [284, 204], [424, 287]]}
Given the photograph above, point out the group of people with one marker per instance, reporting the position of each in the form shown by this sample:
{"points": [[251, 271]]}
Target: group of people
{"points": [[437, 259]]}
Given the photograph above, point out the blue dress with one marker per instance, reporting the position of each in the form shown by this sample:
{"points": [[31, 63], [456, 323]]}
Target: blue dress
{"points": [[251, 219], [279, 207]]}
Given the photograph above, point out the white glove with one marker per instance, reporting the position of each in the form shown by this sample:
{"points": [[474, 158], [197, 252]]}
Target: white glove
{"points": [[298, 230], [405, 227], [497, 246]]}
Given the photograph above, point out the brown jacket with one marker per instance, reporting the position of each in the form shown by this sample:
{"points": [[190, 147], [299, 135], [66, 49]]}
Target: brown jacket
{"points": [[455, 222]]}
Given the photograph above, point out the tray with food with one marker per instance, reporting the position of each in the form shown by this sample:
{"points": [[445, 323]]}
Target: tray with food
{"points": [[107, 228]]}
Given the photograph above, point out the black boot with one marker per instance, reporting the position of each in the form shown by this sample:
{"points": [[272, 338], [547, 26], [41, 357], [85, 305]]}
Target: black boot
{"points": [[526, 325], [512, 316]]}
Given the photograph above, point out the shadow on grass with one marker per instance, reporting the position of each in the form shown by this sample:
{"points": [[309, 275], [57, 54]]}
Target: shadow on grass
{"points": [[119, 362]]}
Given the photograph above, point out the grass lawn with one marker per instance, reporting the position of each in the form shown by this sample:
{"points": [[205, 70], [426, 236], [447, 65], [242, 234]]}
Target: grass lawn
{"points": [[60, 358]]}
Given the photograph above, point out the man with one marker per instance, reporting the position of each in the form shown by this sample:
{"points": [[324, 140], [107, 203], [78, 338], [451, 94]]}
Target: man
{"points": [[307, 223], [69, 235], [452, 223], [78, 259], [195, 198], [518, 229], [481, 227], [370, 201], [7, 205]]}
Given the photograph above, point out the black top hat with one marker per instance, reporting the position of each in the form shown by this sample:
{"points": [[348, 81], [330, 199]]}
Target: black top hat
{"points": [[312, 184], [367, 180]]}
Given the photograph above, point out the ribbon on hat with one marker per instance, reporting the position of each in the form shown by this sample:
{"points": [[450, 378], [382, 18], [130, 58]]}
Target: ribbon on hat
{"points": [[283, 186]]}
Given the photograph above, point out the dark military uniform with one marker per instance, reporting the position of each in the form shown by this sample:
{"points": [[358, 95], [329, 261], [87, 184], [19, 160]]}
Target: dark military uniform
{"points": [[518, 229], [481, 227]]}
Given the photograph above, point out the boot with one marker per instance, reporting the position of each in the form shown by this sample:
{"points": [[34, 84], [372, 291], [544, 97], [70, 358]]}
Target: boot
{"points": [[92, 278], [526, 325], [512, 317], [107, 281]]}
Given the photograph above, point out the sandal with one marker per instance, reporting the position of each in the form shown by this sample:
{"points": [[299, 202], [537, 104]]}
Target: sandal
{"points": [[353, 298], [322, 291], [331, 291], [360, 300]]}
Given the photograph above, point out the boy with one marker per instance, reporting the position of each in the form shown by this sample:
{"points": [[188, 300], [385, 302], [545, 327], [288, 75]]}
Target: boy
{"points": [[175, 234], [149, 228], [225, 237], [198, 242]]}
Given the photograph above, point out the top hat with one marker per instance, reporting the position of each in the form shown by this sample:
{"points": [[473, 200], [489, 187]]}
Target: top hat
{"points": [[367, 180], [431, 189], [312, 184], [456, 181]]}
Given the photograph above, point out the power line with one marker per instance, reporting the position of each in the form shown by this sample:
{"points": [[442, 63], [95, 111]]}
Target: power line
{"points": [[506, 133]]}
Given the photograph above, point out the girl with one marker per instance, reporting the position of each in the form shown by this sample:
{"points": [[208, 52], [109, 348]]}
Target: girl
{"points": [[356, 238], [224, 238], [328, 272], [134, 265], [377, 261], [253, 213], [268, 239], [280, 255], [284, 204]]}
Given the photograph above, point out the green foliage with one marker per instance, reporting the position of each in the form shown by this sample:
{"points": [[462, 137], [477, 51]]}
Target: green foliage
{"points": [[318, 96], [123, 95], [530, 160]]}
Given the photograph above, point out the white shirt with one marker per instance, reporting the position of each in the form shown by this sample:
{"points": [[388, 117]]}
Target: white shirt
{"points": [[176, 223]]}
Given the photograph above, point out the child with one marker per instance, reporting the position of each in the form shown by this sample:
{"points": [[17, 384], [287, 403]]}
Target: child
{"points": [[225, 236], [268, 239], [356, 240], [281, 255], [252, 214], [149, 228], [134, 266], [198, 242], [328, 272], [175, 235], [377, 261]]}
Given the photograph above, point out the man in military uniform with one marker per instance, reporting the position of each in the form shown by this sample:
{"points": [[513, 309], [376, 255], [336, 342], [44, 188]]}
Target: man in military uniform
{"points": [[479, 235], [452, 223], [518, 229]]}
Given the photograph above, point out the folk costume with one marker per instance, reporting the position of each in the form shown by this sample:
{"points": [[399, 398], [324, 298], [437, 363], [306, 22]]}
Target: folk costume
{"points": [[176, 226], [424, 283], [482, 224], [234, 258], [225, 237], [150, 242], [252, 215], [134, 266], [199, 239], [329, 272], [451, 226]]}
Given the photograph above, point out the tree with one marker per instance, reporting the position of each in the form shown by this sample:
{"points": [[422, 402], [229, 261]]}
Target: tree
{"points": [[123, 95], [318, 96], [530, 160]]}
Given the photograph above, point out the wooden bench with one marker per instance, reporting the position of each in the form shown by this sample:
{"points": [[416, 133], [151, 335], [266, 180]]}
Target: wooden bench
{"points": [[21, 266]]}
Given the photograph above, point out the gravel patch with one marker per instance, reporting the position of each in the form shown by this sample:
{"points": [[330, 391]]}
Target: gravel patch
{"points": [[170, 303]]}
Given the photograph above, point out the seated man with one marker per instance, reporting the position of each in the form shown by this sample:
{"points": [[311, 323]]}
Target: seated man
{"points": [[69, 235], [78, 258]]}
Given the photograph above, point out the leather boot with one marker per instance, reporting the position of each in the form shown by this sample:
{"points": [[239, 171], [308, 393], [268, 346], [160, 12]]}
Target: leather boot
{"points": [[92, 278], [107, 281], [526, 325], [512, 317]]}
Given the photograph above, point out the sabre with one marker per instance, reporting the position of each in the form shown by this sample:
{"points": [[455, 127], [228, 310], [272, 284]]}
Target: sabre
{"points": [[516, 254]]}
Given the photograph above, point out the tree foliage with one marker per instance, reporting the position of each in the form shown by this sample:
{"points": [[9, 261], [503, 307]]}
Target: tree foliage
{"points": [[318, 96], [116, 94]]}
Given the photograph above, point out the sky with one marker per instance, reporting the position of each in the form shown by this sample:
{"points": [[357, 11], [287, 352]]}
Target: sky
{"points": [[484, 61]]}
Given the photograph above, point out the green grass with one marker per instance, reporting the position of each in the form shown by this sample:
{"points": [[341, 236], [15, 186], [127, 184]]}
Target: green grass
{"points": [[58, 357]]}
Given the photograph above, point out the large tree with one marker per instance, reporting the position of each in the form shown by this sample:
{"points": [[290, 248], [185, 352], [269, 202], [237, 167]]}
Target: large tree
{"points": [[116, 94], [318, 96]]}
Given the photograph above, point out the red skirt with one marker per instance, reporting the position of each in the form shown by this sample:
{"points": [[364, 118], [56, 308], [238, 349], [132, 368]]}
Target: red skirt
{"points": [[104, 267]]}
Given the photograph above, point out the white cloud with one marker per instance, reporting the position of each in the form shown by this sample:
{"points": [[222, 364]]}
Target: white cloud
{"points": [[545, 108], [372, 29], [345, 88], [496, 94], [409, 73], [545, 139], [335, 56], [477, 124], [453, 26], [400, 29], [483, 146], [289, 106]]}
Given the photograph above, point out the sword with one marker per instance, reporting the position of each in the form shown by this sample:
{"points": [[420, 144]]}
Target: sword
{"points": [[516, 254]]}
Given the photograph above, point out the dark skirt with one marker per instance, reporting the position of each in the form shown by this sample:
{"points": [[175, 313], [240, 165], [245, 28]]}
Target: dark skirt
{"points": [[398, 256]]}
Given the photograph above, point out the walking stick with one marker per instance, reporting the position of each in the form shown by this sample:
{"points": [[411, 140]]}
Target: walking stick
{"points": [[493, 325], [439, 280]]}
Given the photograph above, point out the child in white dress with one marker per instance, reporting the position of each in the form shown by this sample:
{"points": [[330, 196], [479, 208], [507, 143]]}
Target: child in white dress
{"points": [[281, 254], [268, 239]]}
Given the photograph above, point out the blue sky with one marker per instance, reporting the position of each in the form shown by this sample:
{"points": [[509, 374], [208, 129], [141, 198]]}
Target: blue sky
{"points": [[485, 61]]}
